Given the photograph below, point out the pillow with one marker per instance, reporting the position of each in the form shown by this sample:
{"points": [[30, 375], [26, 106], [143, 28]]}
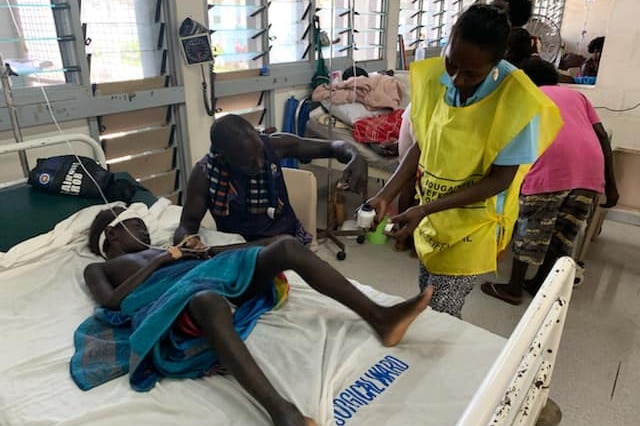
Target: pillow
{"points": [[350, 113]]}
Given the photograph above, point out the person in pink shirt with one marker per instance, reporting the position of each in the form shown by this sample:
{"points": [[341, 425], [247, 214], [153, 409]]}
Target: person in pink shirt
{"points": [[559, 193]]}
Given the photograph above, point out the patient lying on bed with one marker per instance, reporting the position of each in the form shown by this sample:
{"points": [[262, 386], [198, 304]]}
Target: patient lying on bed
{"points": [[182, 313]]}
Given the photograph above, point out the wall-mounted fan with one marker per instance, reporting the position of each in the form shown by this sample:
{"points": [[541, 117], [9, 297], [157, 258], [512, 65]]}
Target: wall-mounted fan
{"points": [[547, 34]]}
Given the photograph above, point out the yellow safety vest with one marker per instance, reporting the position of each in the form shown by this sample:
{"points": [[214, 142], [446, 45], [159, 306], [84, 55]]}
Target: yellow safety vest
{"points": [[458, 146]]}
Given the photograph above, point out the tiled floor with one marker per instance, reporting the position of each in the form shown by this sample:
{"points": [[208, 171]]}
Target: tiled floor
{"points": [[597, 377]]}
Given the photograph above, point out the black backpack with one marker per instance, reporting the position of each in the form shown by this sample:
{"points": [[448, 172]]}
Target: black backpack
{"points": [[64, 175]]}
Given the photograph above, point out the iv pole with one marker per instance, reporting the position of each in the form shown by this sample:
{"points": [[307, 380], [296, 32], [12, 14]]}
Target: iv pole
{"points": [[332, 189], [5, 72]]}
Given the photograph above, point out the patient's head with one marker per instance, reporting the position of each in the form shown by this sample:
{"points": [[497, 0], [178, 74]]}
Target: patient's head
{"points": [[108, 236], [238, 144], [541, 72], [478, 42]]}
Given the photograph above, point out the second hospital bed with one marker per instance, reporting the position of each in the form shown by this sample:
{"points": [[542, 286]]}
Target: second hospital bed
{"points": [[316, 353]]}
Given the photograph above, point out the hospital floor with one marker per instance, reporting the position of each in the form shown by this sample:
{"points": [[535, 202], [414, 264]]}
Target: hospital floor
{"points": [[596, 380]]}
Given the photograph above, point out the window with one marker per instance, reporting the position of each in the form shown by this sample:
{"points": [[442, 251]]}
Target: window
{"points": [[250, 33], [368, 28], [124, 39], [430, 21], [356, 28], [30, 43], [409, 22], [552, 9], [289, 30], [335, 24], [239, 38]]}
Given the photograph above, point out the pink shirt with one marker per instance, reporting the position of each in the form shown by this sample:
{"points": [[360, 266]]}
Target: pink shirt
{"points": [[574, 160]]}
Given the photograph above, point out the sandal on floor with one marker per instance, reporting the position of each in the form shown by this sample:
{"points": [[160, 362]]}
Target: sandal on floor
{"points": [[491, 290]]}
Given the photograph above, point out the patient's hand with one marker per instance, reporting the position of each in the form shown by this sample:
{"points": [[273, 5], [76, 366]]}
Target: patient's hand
{"points": [[192, 242], [175, 252]]}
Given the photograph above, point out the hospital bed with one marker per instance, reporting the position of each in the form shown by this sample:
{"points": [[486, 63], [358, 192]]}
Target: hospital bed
{"points": [[317, 353], [380, 167], [27, 212], [343, 116]]}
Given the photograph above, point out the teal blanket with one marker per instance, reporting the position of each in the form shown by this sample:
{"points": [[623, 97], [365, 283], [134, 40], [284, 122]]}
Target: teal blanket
{"points": [[140, 340]]}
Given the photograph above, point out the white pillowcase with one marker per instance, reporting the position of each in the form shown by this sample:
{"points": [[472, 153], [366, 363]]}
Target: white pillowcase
{"points": [[350, 113]]}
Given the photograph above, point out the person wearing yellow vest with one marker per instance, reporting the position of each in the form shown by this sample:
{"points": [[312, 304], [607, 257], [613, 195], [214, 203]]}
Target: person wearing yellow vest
{"points": [[476, 123]]}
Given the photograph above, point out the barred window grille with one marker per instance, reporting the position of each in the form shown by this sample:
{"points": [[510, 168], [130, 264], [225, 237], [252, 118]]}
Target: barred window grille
{"points": [[429, 21], [30, 42], [125, 39], [552, 9]]}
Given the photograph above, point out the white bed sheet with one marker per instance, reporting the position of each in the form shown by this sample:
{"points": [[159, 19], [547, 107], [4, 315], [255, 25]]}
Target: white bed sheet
{"points": [[312, 349]]}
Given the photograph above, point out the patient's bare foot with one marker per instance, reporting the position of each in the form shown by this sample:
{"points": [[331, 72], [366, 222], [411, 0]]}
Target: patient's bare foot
{"points": [[396, 319], [289, 415]]}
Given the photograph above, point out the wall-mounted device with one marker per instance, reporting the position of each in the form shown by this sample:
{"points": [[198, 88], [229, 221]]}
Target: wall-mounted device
{"points": [[196, 48], [195, 42]]}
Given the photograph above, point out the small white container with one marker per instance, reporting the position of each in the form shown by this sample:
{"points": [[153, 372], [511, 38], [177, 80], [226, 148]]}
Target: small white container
{"points": [[366, 214]]}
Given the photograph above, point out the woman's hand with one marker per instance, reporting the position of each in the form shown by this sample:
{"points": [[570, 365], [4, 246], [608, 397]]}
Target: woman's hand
{"points": [[380, 205], [405, 223]]}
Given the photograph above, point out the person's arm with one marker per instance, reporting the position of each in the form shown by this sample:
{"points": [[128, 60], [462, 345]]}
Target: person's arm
{"points": [[403, 175], [194, 208], [498, 180], [354, 177], [215, 250], [611, 188], [96, 275]]}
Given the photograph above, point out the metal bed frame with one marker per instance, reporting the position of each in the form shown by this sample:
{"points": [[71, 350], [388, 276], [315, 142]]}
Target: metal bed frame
{"points": [[516, 388], [21, 147]]}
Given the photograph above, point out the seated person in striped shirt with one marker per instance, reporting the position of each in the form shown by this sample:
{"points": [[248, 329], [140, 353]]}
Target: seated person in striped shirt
{"points": [[240, 181]]}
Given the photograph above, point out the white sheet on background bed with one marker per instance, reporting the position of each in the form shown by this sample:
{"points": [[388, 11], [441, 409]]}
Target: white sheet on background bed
{"points": [[312, 349]]}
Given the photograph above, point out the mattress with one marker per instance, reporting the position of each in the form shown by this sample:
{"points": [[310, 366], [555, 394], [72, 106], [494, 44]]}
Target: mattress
{"points": [[317, 353]]}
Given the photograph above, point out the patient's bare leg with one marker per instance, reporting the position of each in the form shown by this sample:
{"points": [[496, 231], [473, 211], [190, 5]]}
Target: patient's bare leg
{"points": [[211, 312], [391, 323]]}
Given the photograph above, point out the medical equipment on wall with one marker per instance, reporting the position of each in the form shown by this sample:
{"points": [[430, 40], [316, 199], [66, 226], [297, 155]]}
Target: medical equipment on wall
{"points": [[195, 42]]}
